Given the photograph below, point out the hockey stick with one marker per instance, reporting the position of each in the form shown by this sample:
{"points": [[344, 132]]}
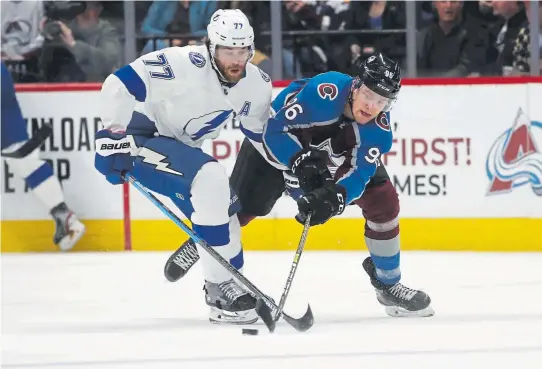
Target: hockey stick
{"points": [[32, 144], [293, 269], [264, 303]]}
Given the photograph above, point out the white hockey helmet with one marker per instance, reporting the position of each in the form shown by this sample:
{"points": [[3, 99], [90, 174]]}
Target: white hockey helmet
{"points": [[231, 28]]}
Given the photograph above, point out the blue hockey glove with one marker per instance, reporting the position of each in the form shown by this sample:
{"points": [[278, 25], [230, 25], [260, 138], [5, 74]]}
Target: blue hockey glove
{"points": [[113, 155]]}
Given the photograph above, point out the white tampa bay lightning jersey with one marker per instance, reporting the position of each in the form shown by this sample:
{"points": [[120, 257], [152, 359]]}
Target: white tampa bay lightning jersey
{"points": [[178, 90]]}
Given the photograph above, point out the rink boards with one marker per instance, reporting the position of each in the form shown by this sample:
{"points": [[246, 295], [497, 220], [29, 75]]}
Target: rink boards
{"points": [[466, 161]]}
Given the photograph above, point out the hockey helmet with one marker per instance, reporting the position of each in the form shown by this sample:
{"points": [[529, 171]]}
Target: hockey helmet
{"points": [[230, 28], [381, 75]]}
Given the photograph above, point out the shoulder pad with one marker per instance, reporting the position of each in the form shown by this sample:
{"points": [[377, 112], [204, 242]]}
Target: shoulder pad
{"points": [[326, 94], [197, 55], [257, 73], [264, 75], [377, 133], [287, 92], [188, 57]]}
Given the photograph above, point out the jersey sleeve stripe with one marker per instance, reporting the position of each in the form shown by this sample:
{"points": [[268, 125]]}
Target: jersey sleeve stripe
{"points": [[354, 161], [353, 188], [257, 137], [311, 124], [133, 82], [281, 147]]}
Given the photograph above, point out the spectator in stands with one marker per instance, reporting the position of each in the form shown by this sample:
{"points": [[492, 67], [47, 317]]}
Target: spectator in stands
{"points": [[176, 17], [302, 56], [513, 13], [21, 38], [86, 49], [521, 54], [454, 46], [372, 15], [258, 14]]}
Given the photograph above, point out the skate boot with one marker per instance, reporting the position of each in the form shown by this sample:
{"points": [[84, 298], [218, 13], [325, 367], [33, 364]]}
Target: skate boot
{"points": [[230, 303], [68, 230], [181, 261], [400, 301]]}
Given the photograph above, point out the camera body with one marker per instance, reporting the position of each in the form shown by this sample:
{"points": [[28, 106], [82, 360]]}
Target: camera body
{"points": [[64, 11]]}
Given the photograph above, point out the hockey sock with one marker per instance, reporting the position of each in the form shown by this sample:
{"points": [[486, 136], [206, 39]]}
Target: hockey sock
{"points": [[232, 251], [382, 240], [210, 196]]}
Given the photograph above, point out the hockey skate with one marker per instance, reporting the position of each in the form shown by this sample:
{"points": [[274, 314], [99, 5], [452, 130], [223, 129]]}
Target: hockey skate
{"points": [[69, 229], [230, 303], [399, 300], [181, 261]]}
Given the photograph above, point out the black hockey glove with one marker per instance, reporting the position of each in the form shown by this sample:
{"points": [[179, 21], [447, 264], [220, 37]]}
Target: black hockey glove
{"points": [[310, 167], [323, 203]]}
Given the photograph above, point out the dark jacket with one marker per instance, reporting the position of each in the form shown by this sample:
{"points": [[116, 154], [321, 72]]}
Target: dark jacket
{"points": [[504, 45], [457, 54]]}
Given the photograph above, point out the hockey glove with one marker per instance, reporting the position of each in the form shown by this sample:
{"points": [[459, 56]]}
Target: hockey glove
{"points": [[113, 155], [323, 203], [310, 167]]}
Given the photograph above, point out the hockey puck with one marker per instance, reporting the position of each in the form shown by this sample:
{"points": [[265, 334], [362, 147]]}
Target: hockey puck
{"points": [[250, 332]]}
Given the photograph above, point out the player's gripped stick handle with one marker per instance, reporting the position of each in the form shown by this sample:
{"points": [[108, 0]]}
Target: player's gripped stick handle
{"points": [[297, 256], [302, 324]]}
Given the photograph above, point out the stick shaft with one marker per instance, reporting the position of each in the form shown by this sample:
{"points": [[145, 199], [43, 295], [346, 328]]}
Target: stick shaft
{"points": [[215, 255], [293, 269]]}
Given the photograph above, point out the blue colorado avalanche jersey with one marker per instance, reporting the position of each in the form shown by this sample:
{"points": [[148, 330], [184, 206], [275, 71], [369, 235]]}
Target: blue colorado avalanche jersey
{"points": [[309, 113]]}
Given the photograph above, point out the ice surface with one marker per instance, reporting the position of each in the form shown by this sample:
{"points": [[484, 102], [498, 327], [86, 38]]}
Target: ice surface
{"points": [[116, 310]]}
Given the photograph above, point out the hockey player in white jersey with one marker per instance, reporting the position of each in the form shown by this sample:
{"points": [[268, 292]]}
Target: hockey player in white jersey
{"points": [[21, 153], [157, 112]]}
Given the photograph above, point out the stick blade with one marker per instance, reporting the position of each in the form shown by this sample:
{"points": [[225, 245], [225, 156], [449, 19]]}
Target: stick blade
{"points": [[264, 313], [301, 324]]}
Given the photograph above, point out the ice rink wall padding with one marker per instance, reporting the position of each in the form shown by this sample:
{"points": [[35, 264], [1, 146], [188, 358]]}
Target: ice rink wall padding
{"points": [[466, 161]]}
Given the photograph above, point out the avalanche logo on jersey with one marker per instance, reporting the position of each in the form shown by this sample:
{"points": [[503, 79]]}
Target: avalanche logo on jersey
{"points": [[382, 122], [514, 160], [328, 91], [201, 126]]}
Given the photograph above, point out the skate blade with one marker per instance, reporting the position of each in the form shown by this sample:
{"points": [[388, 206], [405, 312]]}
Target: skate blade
{"points": [[77, 230], [221, 317], [396, 311], [233, 322]]}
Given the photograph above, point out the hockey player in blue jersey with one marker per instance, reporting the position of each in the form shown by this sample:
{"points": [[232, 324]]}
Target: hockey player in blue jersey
{"points": [[37, 174], [323, 145]]}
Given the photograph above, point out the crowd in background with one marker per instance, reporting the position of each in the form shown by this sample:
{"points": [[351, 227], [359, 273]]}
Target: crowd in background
{"points": [[45, 41]]}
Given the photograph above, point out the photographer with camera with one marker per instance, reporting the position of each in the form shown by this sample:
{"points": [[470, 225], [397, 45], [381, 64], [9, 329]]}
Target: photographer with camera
{"points": [[21, 39], [79, 46]]}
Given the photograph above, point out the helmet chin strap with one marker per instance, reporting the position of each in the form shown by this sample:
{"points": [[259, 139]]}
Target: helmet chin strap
{"points": [[355, 86], [212, 51]]}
